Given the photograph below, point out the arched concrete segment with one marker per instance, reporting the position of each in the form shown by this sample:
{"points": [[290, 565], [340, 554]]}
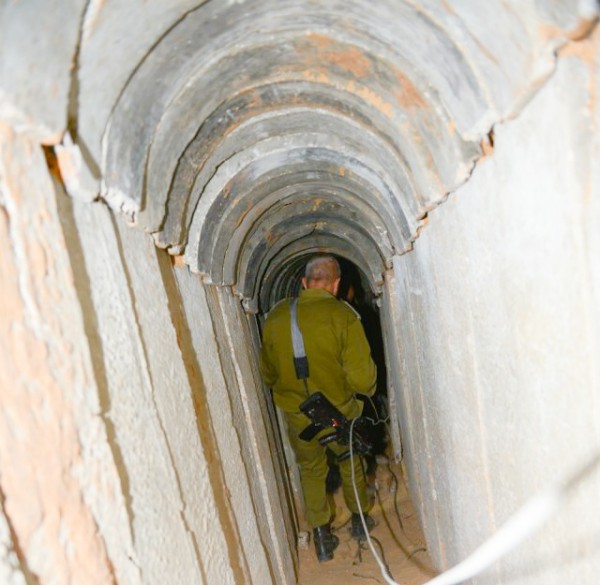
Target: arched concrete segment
{"points": [[282, 276], [234, 95], [263, 246], [294, 126], [191, 62], [233, 228]]}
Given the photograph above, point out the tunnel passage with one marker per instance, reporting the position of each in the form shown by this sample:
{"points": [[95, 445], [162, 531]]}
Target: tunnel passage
{"points": [[245, 135], [252, 134]]}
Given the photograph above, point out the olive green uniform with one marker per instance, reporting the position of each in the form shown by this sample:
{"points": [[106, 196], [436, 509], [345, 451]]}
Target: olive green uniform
{"points": [[340, 365]]}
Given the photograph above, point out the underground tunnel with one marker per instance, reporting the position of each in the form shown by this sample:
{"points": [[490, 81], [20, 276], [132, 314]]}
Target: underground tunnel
{"points": [[165, 170]]}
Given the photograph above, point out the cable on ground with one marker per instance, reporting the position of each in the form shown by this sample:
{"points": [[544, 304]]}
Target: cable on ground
{"points": [[521, 525]]}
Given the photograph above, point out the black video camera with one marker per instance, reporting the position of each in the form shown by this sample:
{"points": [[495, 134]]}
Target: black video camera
{"points": [[324, 415]]}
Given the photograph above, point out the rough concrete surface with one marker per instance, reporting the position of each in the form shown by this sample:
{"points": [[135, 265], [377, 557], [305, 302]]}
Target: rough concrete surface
{"points": [[504, 369], [38, 46], [44, 371], [449, 149], [227, 427]]}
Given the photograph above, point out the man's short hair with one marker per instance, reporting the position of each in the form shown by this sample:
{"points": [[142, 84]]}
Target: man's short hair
{"points": [[323, 268]]}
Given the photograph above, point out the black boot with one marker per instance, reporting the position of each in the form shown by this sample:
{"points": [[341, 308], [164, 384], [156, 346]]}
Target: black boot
{"points": [[357, 530], [325, 542]]}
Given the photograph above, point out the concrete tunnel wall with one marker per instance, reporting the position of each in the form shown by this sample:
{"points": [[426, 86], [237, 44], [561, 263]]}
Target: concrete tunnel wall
{"points": [[242, 136]]}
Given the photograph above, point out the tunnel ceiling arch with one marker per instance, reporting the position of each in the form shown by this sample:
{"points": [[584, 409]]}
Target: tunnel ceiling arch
{"points": [[253, 132]]}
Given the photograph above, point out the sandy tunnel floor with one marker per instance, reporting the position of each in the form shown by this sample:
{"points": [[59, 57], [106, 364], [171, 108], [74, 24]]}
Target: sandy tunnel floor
{"points": [[403, 546]]}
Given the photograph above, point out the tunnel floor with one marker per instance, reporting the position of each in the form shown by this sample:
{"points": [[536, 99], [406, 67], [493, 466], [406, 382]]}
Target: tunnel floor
{"points": [[404, 548]]}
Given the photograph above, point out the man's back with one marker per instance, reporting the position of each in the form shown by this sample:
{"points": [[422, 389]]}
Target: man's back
{"points": [[338, 353]]}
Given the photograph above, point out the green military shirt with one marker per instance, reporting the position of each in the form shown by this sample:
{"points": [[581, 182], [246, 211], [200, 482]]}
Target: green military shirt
{"points": [[339, 356]]}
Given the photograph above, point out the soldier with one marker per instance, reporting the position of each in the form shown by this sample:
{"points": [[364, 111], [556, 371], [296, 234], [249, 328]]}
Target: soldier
{"points": [[340, 366]]}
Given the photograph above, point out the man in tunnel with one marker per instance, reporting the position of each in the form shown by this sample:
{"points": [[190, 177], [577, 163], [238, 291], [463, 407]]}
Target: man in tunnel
{"points": [[340, 366]]}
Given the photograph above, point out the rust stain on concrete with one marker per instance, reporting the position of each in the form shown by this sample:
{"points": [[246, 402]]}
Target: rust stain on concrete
{"points": [[178, 262], [320, 41], [447, 7], [255, 100], [451, 127], [584, 50], [320, 75], [582, 30], [408, 95], [579, 32], [587, 51], [271, 237], [322, 49], [52, 162], [372, 98], [548, 32], [240, 219], [317, 203], [38, 352], [226, 192]]}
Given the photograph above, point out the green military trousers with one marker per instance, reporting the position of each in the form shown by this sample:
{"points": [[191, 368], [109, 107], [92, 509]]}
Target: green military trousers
{"points": [[312, 461]]}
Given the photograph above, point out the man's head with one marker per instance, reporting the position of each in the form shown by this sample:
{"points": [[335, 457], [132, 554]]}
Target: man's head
{"points": [[322, 272]]}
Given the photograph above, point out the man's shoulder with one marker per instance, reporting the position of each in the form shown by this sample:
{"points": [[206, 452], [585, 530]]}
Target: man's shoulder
{"points": [[346, 311], [352, 309], [278, 309], [339, 310]]}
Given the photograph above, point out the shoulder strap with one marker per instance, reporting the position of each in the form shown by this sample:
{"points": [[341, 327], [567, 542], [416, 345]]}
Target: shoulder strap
{"points": [[300, 359], [352, 309]]}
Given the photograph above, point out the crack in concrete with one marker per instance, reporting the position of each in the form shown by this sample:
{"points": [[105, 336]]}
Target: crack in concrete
{"points": [[203, 419], [147, 374]]}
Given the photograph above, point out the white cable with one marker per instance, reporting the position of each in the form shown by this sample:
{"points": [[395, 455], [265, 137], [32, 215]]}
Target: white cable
{"points": [[521, 525], [382, 567], [532, 516]]}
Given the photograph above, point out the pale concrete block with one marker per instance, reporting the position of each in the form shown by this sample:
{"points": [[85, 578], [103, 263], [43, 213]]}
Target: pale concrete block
{"points": [[168, 389], [164, 548], [239, 359], [227, 424], [46, 411], [38, 44], [506, 333]]}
